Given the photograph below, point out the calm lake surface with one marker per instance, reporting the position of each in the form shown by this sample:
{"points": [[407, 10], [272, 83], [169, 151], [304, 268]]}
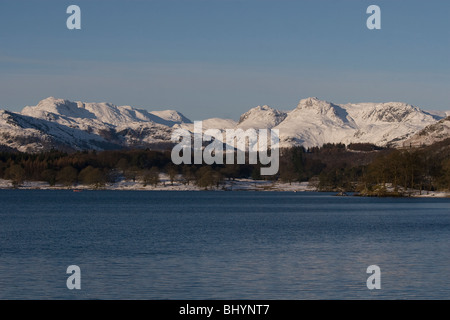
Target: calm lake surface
{"points": [[221, 245]]}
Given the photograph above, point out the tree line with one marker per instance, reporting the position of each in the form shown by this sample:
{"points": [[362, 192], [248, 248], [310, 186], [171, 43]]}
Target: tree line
{"points": [[363, 168]]}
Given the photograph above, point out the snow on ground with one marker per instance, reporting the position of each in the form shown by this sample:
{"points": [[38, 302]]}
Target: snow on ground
{"points": [[433, 194], [165, 184], [228, 185]]}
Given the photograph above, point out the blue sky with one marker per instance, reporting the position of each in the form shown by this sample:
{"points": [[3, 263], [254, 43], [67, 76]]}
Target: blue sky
{"points": [[219, 58]]}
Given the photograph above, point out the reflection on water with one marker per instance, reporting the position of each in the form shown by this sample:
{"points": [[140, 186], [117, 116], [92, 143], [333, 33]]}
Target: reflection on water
{"points": [[221, 245]]}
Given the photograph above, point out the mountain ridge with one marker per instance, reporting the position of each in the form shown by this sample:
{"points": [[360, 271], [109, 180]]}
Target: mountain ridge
{"points": [[75, 125]]}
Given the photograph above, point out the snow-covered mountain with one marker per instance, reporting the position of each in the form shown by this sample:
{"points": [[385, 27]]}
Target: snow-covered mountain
{"points": [[65, 111], [29, 134], [315, 122], [67, 125], [171, 117], [430, 134], [440, 113], [261, 117], [212, 123]]}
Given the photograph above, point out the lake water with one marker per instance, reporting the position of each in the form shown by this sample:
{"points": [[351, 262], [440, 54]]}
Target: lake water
{"points": [[221, 245]]}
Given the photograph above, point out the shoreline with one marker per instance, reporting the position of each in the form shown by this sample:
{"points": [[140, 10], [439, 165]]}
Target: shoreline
{"points": [[165, 185], [226, 186]]}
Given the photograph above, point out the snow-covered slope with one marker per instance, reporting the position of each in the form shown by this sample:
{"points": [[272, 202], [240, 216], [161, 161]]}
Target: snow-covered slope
{"points": [[63, 124], [212, 123], [315, 122], [67, 125], [440, 113], [430, 134], [387, 123], [28, 134], [171, 117], [261, 117], [61, 110]]}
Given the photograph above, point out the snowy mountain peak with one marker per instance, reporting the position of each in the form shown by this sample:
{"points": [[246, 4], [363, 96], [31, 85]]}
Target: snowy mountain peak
{"points": [[261, 117], [51, 101], [263, 108], [56, 106], [172, 116], [392, 112], [65, 112], [321, 108], [67, 125], [313, 103], [322, 111], [310, 101]]}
